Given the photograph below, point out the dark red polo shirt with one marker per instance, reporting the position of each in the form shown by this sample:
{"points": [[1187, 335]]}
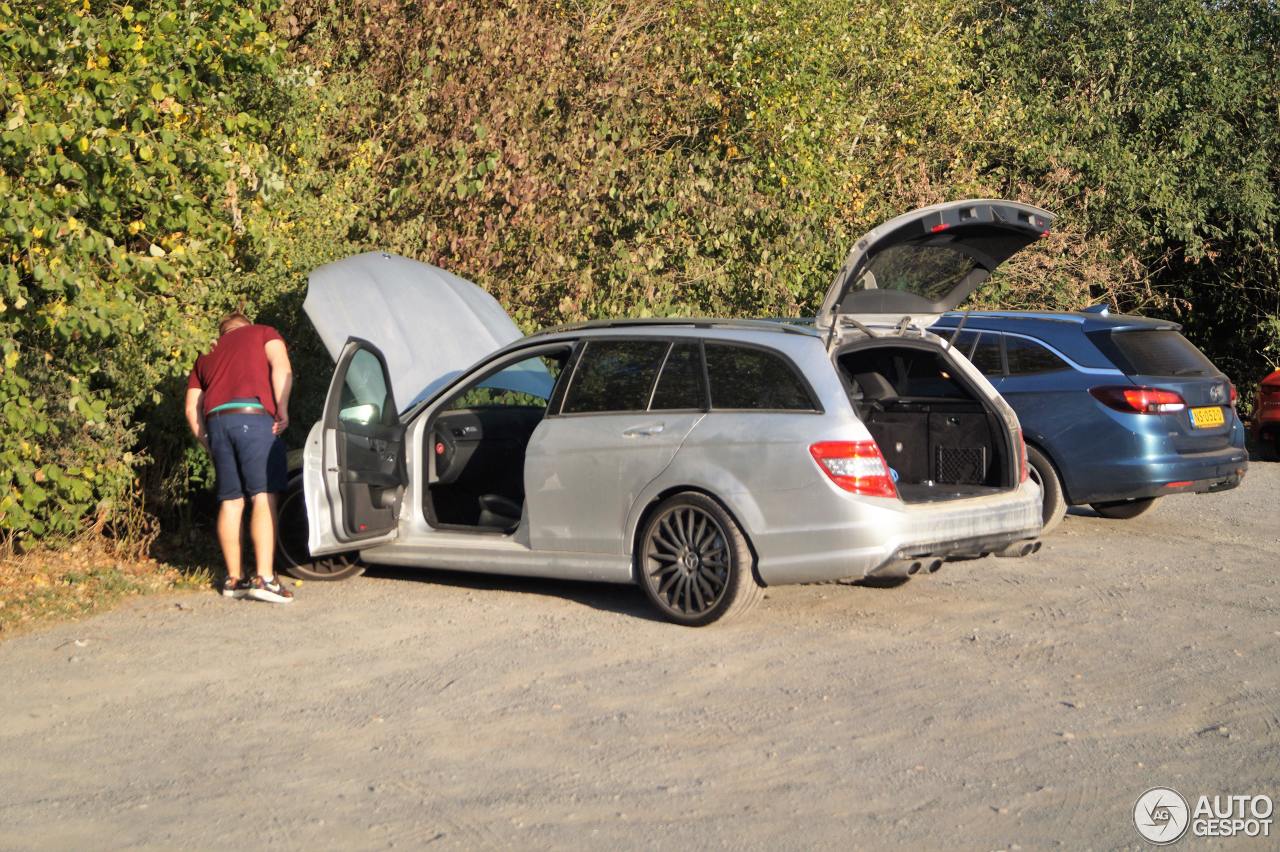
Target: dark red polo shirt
{"points": [[237, 368]]}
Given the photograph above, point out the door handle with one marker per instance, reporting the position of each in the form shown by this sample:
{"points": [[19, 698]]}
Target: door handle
{"points": [[639, 431]]}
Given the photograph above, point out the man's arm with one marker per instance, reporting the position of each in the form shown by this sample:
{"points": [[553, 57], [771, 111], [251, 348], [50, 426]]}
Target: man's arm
{"points": [[195, 416], [281, 382]]}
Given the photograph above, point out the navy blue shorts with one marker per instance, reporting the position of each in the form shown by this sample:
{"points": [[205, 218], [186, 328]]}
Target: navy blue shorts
{"points": [[247, 458]]}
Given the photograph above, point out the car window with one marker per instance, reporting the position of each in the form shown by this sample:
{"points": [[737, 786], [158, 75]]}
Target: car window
{"points": [[925, 376], [743, 377], [615, 375], [526, 384], [681, 384], [364, 394], [986, 355], [964, 343], [1026, 357]]}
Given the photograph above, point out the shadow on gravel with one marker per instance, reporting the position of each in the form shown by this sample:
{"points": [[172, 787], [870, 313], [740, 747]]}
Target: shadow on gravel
{"points": [[623, 599]]}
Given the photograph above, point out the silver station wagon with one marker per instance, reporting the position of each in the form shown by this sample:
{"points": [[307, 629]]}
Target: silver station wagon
{"points": [[701, 459]]}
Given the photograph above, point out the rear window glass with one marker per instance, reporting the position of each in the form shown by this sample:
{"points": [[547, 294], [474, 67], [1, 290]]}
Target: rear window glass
{"points": [[615, 375], [753, 378], [1162, 352], [680, 385], [1026, 357], [930, 271]]}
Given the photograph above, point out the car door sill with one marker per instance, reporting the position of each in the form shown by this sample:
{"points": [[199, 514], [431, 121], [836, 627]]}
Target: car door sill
{"points": [[492, 555]]}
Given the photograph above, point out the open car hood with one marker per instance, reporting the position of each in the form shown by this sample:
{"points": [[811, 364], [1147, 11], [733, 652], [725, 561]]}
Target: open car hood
{"points": [[924, 263], [429, 324]]}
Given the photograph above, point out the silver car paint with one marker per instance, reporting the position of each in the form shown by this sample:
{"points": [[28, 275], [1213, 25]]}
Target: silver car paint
{"points": [[429, 324], [801, 526]]}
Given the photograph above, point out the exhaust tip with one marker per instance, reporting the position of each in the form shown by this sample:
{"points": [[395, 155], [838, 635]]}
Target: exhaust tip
{"points": [[913, 569], [1020, 548], [935, 566]]}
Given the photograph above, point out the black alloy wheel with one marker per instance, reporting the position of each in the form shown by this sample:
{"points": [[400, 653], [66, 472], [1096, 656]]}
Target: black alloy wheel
{"points": [[293, 556], [695, 564]]}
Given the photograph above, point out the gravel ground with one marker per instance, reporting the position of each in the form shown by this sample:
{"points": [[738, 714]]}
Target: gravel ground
{"points": [[1000, 703]]}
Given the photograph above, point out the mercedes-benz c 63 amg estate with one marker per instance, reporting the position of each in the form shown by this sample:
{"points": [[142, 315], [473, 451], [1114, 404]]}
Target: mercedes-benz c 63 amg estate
{"points": [[701, 459]]}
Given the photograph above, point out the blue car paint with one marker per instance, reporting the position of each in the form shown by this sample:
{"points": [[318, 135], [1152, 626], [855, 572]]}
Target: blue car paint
{"points": [[1101, 454]]}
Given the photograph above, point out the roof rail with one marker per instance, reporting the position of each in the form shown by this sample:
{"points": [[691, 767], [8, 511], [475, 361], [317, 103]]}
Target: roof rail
{"points": [[781, 325]]}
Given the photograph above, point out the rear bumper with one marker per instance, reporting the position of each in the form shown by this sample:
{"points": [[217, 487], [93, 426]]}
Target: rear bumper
{"points": [[854, 536], [1193, 486], [1152, 477]]}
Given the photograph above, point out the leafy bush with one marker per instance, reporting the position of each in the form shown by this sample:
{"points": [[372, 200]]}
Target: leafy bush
{"points": [[165, 161], [135, 185]]}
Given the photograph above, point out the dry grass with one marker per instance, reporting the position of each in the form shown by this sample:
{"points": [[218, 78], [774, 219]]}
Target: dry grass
{"points": [[82, 580]]}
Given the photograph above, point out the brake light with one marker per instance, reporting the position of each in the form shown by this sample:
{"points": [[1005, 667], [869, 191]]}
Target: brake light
{"points": [[856, 466], [1139, 400], [1024, 469], [1235, 394]]}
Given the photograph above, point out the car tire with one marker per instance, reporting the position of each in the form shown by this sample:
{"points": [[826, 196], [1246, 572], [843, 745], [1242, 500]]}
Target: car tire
{"points": [[292, 555], [1046, 476], [1123, 510], [694, 562]]}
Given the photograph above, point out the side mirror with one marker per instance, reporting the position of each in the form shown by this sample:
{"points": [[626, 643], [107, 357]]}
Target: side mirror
{"points": [[362, 414]]}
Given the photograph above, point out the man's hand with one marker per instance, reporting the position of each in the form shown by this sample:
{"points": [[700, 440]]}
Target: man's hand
{"points": [[282, 423], [195, 417]]}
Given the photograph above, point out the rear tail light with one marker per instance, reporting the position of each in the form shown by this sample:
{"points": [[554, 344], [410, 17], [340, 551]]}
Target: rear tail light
{"points": [[1138, 400], [1235, 394], [1024, 469], [856, 466]]}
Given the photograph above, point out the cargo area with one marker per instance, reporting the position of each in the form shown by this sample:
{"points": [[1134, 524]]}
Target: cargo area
{"points": [[939, 437]]}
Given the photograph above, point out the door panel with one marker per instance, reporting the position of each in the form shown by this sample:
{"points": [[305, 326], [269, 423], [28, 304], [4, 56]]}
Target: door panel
{"points": [[584, 473], [360, 477]]}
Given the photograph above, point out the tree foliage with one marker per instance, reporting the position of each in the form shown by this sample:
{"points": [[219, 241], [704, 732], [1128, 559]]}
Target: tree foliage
{"points": [[134, 168], [163, 161]]}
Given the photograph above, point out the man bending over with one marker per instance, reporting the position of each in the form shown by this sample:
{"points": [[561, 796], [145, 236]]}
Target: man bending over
{"points": [[237, 407]]}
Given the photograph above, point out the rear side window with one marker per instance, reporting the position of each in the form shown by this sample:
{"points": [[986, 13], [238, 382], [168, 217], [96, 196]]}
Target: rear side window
{"points": [[986, 355], [1160, 352], [681, 386], [743, 377], [1026, 357], [615, 375]]}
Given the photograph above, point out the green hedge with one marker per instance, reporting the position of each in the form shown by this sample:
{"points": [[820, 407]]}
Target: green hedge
{"points": [[162, 162]]}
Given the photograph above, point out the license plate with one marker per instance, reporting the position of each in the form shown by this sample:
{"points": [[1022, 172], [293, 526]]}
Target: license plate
{"points": [[1206, 418]]}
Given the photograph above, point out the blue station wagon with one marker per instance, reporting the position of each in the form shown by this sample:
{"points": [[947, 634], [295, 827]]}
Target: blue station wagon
{"points": [[1117, 411]]}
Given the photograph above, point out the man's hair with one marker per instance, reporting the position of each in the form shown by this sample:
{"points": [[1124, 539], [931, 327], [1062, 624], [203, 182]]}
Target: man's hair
{"points": [[235, 319]]}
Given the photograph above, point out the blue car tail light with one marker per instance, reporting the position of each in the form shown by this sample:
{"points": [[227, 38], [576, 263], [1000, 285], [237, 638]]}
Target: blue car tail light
{"points": [[1139, 400]]}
